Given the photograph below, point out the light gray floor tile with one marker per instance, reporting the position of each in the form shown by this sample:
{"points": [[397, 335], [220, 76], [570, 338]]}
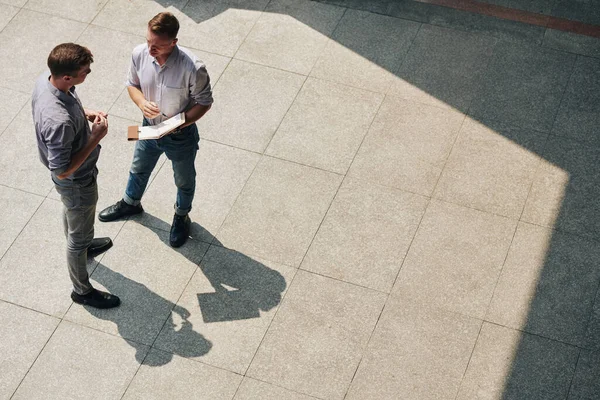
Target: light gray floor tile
{"points": [[444, 67], [23, 334], [290, 35], [148, 275], [357, 56], [455, 259], [415, 353], [251, 102], [20, 165], [565, 189], [230, 301], [407, 146], [586, 383], [218, 26], [33, 272], [365, 235], [132, 16], [325, 125], [579, 113], [508, 364], [318, 336], [163, 376], [15, 3], [252, 389], [78, 10], [112, 57], [535, 290], [82, 363], [29, 38], [7, 12], [524, 86], [572, 43], [11, 102], [222, 172], [279, 211], [491, 168], [17, 208]]}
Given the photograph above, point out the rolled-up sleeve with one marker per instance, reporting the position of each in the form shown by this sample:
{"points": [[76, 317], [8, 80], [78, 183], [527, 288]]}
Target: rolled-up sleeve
{"points": [[132, 77], [59, 140], [200, 89]]}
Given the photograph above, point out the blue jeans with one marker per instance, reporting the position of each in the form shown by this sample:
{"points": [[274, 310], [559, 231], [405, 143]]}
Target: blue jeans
{"points": [[181, 148]]}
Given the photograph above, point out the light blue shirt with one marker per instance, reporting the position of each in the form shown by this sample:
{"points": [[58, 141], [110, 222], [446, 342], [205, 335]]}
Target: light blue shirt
{"points": [[181, 82]]}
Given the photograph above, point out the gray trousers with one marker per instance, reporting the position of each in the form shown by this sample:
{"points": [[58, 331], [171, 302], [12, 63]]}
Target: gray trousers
{"points": [[78, 219]]}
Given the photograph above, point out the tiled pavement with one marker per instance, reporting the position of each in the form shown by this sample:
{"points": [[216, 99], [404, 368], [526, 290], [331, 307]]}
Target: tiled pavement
{"points": [[395, 201]]}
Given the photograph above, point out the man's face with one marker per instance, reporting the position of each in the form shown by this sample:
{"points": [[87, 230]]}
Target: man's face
{"points": [[82, 73], [159, 45]]}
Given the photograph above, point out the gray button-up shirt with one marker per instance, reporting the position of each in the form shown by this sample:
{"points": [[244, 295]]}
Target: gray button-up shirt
{"points": [[181, 82], [61, 130]]}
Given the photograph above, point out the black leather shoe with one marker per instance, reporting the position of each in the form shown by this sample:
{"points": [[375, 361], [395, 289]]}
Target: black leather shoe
{"points": [[180, 229], [119, 210], [96, 299], [99, 246]]}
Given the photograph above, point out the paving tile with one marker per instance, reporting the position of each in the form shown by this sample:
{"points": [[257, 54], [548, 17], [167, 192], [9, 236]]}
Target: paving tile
{"points": [[415, 353], [411, 10], [508, 364], [524, 86], [572, 43], [148, 275], [82, 363], [15, 3], [356, 45], [535, 290], [325, 125], [29, 38], [112, 56], [491, 168], [279, 211], [218, 26], [407, 146], [444, 67], [36, 263], [23, 334], [18, 207], [564, 191], [20, 165], [161, 373], [579, 112], [7, 12], [374, 6], [316, 341], [253, 389], [78, 10], [290, 35], [587, 12], [534, 6], [132, 16], [231, 300], [586, 383], [503, 29], [365, 235], [251, 102], [592, 338], [11, 102], [222, 172], [455, 259]]}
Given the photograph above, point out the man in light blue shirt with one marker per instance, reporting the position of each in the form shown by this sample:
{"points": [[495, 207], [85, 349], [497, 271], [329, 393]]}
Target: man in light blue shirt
{"points": [[164, 80]]}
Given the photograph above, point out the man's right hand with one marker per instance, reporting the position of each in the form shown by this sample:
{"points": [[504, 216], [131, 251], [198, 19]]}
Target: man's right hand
{"points": [[150, 110], [99, 127]]}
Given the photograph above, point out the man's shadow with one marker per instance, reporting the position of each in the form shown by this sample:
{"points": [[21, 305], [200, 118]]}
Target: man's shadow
{"points": [[242, 288]]}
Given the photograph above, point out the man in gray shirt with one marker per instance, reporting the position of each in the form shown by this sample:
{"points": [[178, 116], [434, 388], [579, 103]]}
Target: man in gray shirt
{"points": [[70, 149], [165, 80]]}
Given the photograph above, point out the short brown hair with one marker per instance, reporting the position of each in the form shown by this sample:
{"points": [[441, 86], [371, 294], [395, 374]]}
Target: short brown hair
{"points": [[68, 59], [164, 23]]}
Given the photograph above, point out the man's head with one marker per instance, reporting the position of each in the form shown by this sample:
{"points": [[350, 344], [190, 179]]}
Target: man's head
{"points": [[70, 63], [162, 34]]}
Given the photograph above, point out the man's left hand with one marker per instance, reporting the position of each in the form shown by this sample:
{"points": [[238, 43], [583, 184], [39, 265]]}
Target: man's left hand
{"points": [[92, 114]]}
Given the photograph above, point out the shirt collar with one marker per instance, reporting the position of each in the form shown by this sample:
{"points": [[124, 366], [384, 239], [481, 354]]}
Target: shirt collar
{"points": [[62, 96], [170, 60]]}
